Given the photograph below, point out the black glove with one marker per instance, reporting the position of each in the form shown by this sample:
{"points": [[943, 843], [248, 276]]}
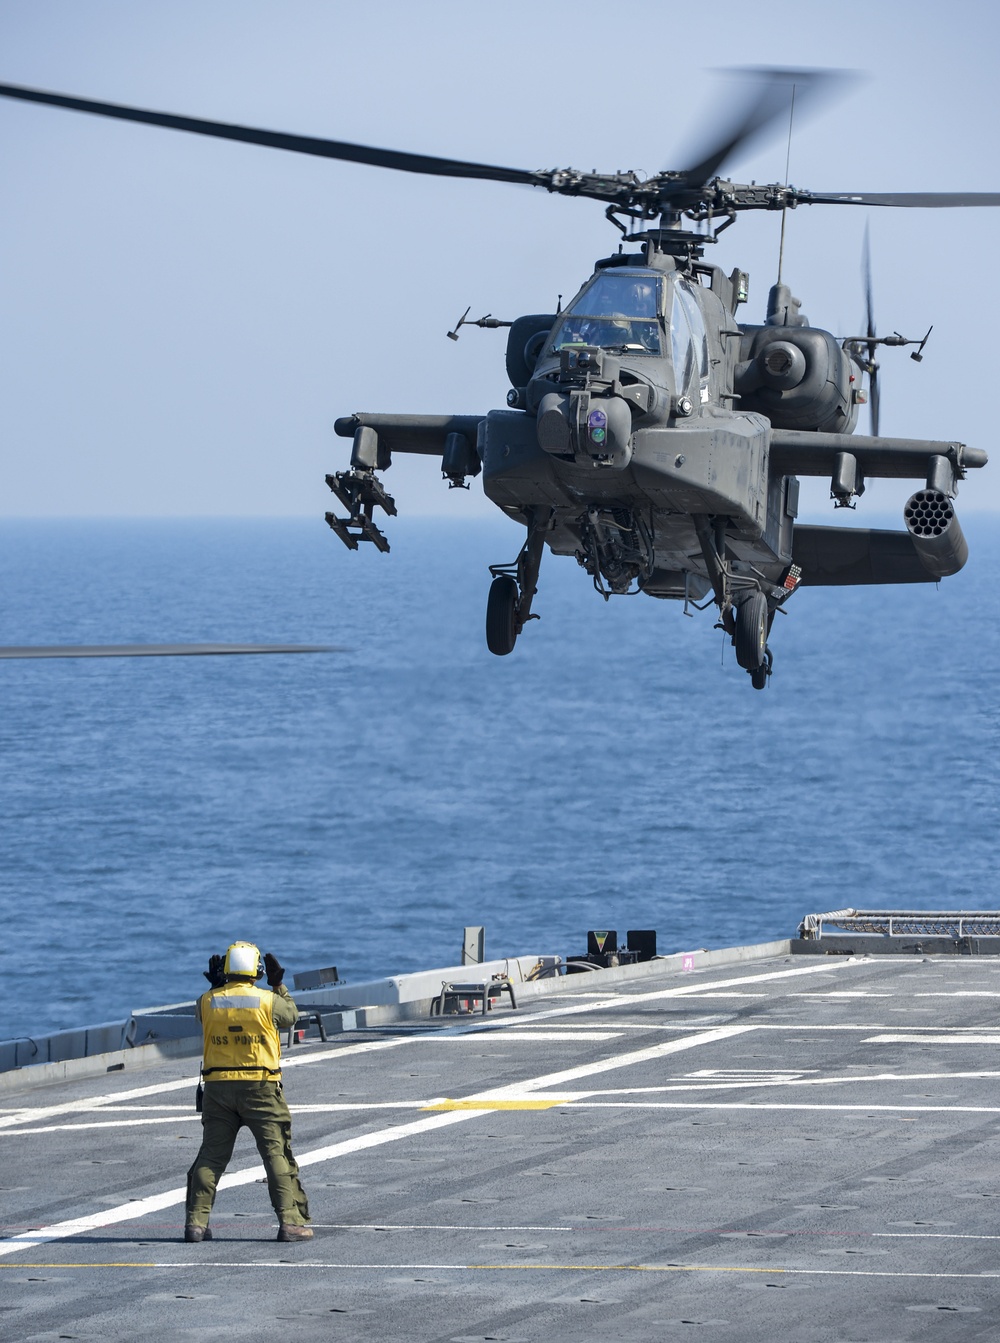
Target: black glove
{"points": [[215, 973], [274, 969]]}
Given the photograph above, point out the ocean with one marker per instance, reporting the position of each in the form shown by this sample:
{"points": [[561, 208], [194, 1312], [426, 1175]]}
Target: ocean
{"points": [[359, 808]]}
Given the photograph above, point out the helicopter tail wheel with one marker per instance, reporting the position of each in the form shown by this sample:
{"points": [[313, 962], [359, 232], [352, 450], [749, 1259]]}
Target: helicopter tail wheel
{"points": [[501, 615], [751, 632]]}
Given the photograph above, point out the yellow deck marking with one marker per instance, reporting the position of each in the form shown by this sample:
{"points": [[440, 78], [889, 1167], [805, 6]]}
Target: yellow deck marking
{"points": [[498, 1105]]}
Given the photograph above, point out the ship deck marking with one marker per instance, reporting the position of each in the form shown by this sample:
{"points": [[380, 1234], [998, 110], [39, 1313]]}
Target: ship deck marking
{"points": [[368, 1267]]}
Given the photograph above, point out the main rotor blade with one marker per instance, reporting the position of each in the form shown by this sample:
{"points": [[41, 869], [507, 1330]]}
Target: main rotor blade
{"points": [[298, 144], [158, 650], [769, 102], [927, 200]]}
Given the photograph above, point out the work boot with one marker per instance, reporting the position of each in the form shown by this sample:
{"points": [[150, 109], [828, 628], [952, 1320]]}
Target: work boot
{"points": [[286, 1231], [193, 1234]]}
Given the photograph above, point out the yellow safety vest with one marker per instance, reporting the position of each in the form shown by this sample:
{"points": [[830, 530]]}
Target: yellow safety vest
{"points": [[241, 1039]]}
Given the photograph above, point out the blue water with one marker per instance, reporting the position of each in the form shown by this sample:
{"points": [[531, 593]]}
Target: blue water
{"points": [[358, 809]]}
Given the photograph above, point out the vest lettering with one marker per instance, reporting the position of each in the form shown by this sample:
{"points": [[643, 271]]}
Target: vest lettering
{"points": [[247, 1050]]}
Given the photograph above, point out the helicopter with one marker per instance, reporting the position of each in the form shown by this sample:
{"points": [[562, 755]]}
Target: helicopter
{"points": [[649, 433]]}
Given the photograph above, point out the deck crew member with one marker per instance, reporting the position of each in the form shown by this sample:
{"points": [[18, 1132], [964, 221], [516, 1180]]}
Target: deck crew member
{"points": [[242, 1085]]}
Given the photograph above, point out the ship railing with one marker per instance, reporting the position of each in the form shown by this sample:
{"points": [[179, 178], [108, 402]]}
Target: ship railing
{"points": [[955, 924]]}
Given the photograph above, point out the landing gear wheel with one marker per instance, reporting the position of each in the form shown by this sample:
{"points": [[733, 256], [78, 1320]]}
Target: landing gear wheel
{"points": [[501, 615], [751, 632], [759, 676]]}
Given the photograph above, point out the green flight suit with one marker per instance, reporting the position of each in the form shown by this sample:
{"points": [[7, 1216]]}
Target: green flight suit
{"points": [[261, 1107]]}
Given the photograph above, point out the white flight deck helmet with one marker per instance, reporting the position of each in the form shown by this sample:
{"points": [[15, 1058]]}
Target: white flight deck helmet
{"points": [[243, 958]]}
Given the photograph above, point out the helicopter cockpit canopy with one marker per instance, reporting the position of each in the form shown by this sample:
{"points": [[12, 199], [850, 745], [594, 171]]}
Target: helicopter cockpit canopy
{"points": [[620, 311], [688, 342]]}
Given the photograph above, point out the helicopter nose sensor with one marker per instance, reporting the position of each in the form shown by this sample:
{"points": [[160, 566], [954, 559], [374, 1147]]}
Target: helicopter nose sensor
{"points": [[585, 421], [592, 430]]}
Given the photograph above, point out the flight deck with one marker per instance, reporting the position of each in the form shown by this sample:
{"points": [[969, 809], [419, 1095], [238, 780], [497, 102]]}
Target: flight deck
{"points": [[755, 1147]]}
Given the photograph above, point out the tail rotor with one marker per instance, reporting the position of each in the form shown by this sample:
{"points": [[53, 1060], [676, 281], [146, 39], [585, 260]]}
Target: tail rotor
{"points": [[872, 341]]}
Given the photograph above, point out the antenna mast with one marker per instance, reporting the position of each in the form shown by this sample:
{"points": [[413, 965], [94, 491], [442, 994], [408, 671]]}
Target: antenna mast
{"points": [[784, 208]]}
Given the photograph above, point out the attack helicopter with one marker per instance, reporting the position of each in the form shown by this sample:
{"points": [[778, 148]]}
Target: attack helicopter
{"points": [[649, 433]]}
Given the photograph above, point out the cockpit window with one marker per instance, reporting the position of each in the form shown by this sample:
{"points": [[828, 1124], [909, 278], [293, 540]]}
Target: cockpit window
{"points": [[616, 312], [617, 295], [610, 333], [688, 340]]}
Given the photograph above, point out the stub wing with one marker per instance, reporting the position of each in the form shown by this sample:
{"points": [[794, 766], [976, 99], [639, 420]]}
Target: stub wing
{"points": [[426, 435], [845, 556], [806, 453]]}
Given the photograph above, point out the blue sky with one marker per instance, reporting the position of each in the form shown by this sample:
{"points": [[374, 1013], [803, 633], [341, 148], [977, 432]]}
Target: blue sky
{"points": [[184, 319]]}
